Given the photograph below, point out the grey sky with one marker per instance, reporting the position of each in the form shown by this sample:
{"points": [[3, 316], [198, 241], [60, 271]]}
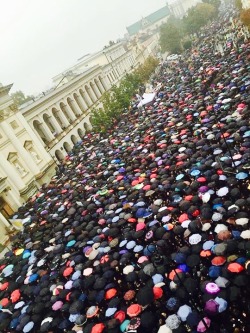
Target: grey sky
{"points": [[41, 38]]}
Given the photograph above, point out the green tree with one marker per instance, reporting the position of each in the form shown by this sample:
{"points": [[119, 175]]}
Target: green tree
{"points": [[19, 97], [118, 98], [170, 38], [198, 16], [215, 3]]}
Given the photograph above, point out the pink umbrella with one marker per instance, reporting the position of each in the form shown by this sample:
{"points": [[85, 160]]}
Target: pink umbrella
{"points": [[201, 326], [57, 305], [212, 288]]}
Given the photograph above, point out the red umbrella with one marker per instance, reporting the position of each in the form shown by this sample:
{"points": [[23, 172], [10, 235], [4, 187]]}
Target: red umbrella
{"points": [[218, 261], [15, 295], [4, 286], [120, 315], [173, 273], [201, 180], [110, 293], [4, 301], [134, 310], [146, 187], [158, 292], [235, 267], [205, 253], [68, 271]]}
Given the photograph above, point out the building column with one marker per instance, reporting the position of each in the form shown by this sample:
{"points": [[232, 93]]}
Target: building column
{"points": [[55, 124], [11, 173], [69, 111], [45, 129], [62, 116], [88, 100], [91, 94], [76, 106], [97, 90], [4, 220], [83, 103]]}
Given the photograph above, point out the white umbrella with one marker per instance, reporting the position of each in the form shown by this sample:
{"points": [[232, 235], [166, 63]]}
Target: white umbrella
{"points": [[173, 322], [217, 216], [164, 329], [195, 239], [245, 234], [128, 269], [242, 221], [220, 227], [222, 191], [184, 311], [206, 226], [205, 197]]}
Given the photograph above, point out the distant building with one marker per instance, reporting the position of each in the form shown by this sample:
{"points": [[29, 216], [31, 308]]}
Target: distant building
{"points": [[150, 22], [179, 8]]}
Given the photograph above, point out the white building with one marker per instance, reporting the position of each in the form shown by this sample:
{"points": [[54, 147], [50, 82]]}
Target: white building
{"points": [[179, 8], [24, 163]]}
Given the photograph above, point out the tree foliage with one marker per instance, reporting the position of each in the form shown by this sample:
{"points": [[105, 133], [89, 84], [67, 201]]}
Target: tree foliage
{"points": [[245, 17], [19, 97], [118, 98], [199, 16], [170, 38], [215, 3]]}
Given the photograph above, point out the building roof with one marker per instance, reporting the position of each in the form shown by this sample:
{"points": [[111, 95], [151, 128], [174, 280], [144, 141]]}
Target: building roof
{"points": [[148, 20]]}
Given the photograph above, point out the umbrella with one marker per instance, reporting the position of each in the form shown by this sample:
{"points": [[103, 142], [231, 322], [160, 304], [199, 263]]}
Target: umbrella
{"points": [[173, 322], [57, 305], [134, 310], [145, 296], [245, 234], [195, 239], [184, 311], [203, 324], [222, 191], [28, 327], [222, 304], [235, 267], [164, 329]]}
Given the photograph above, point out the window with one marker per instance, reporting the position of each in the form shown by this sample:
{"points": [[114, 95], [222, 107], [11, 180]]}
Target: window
{"points": [[14, 124]]}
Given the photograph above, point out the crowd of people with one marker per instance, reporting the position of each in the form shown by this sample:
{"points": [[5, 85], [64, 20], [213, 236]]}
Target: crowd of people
{"points": [[146, 228]]}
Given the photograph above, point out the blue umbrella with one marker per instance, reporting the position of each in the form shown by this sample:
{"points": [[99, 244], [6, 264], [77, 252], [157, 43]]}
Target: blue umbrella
{"points": [[241, 175], [184, 268], [214, 271], [207, 245], [71, 243], [180, 176], [222, 304], [172, 303], [33, 277], [149, 250], [195, 172], [179, 258]]}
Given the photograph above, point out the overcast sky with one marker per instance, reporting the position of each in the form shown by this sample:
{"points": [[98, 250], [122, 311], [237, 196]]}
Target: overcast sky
{"points": [[41, 38]]}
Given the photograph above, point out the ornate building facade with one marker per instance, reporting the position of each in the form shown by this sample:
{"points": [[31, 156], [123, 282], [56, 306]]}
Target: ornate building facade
{"points": [[37, 135]]}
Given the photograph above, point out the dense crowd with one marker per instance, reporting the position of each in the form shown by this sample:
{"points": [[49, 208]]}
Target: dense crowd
{"points": [[146, 228]]}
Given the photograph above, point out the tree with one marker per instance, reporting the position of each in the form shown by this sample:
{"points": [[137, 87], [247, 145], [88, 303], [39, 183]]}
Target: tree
{"points": [[19, 98], [238, 4], [118, 98], [215, 3], [199, 16], [170, 38], [245, 17]]}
